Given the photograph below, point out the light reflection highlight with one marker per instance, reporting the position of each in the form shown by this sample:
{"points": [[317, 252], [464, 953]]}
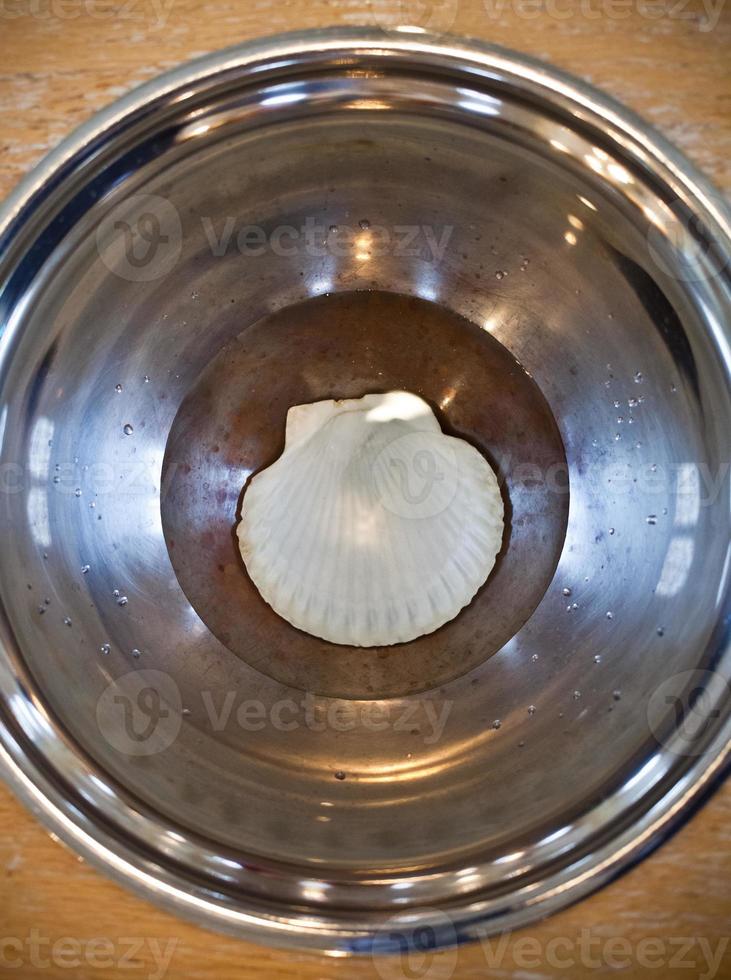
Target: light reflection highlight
{"points": [[676, 567], [688, 495]]}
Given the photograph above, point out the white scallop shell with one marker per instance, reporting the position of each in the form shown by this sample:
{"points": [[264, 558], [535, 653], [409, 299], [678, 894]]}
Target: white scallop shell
{"points": [[373, 527]]}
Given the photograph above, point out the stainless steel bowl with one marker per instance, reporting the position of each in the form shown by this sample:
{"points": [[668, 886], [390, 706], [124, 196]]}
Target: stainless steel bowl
{"points": [[569, 283]]}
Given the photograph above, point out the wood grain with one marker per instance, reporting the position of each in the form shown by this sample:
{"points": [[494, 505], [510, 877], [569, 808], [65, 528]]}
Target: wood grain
{"points": [[668, 59]]}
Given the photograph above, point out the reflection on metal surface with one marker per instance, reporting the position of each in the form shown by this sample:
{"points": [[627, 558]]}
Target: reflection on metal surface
{"points": [[677, 565], [688, 495], [474, 101], [586, 202]]}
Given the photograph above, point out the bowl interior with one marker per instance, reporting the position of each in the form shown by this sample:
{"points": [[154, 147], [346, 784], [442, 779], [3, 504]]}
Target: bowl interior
{"points": [[268, 243]]}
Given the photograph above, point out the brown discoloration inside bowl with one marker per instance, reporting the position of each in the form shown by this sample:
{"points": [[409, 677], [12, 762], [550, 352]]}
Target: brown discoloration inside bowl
{"points": [[344, 346]]}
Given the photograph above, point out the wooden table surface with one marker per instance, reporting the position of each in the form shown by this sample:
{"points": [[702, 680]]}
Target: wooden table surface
{"points": [[668, 59]]}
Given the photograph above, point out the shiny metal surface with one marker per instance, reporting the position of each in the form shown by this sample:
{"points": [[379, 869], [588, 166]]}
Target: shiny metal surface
{"points": [[286, 802]]}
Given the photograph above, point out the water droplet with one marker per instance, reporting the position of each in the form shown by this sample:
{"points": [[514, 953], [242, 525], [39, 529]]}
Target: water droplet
{"points": [[496, 724], [673, 388], [620, 419], [85, 569], [500, 274], [92, 504], [531, 709], [340, 774], [105, 649], [47, 601], [638, 445], [118, 388], [128, 430], [333, 229], [607, 383], [521, 744], [77, 492], [632, 402], [611, 530], [630, 421], [41, 610], [617, 436], [146, 379], [653, 468], [364, 224], [617, 695], [577, 695], [66, 621], [638, 378], [534, 658], [566, 591], [136, 653], [660, 631], [186, 711], [597, 658], [57, 479], [122, 600], [651, 519], [610, 614], [116, 593]]}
